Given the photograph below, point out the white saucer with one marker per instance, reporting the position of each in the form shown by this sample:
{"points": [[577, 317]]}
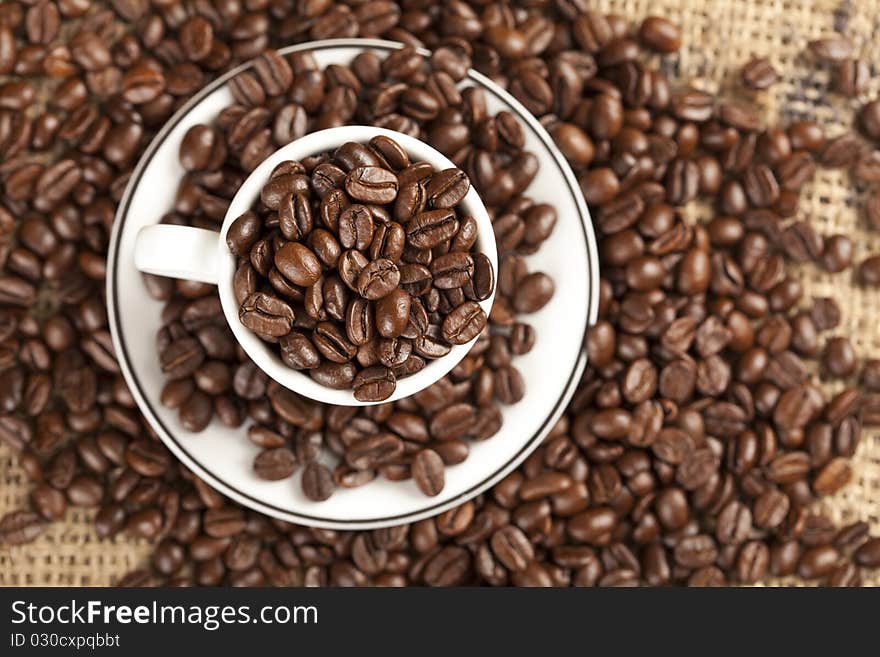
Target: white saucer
{"points": [[223, 456]]}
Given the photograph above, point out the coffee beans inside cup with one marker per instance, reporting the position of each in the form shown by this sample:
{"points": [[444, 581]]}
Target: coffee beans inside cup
{"points": [[360, 266]]}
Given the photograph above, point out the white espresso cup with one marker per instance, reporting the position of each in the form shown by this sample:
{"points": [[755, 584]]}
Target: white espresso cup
{"points": [[202, 255]]}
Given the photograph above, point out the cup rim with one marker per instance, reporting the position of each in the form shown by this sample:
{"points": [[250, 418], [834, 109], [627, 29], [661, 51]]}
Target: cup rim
{"points": [[248, 192]]}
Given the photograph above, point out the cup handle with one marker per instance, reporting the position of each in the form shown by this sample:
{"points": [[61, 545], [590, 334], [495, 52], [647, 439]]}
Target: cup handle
{"points": [[178, 252]]}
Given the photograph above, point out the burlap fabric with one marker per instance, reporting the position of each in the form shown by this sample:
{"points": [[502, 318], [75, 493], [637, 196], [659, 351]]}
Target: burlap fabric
{"points": [[719, 37]]}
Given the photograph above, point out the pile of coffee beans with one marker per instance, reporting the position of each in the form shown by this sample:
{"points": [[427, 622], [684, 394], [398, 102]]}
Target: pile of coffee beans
{"points": [[360, 267], [698, 440]]}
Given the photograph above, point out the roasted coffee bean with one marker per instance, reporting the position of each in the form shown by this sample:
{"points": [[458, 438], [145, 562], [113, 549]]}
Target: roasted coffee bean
{"points": [[202, 148], [389, 242], [842, 151], [182, 358], [355, 227], [392, 314], [825, 313], [298, 264], [196, 412], [317, 482], [838, 253], [868, 554], [351, 264], [85, 490], [869, 119], [411, 201], [659, 34], [20, 527], [266, 315], [771, 508], [374, 384], [295, 218], [371, 184], [338, 376], [147, 458], [869, 271], [818, 562], [839, 358], [262, 254], [447, 188], [274, 464], [759, 73], [332, 343], [49, 502], [378, 279], [430, 228], [452, 270], [464, 323], [533, 293], [427, 472]]}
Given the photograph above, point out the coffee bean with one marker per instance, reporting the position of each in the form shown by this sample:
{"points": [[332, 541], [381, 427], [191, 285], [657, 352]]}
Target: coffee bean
{"points": [[16, 291], [838, 253], [355, 227], [818, 562], [869, 119], [317, 482], [275, 464], [447, 188], [147, 458], [371, 184], [331, 342], [512, 548], [752, 562], [842, 151], [295, 218], [196, 412], [452, 270], [266, 315], [869, 271], [533, 293], [392, 314], [759, 73], [825, 313], [85, 490], [49, 502], [839, 358], [374, 451], [428, 229], [374, 384], [427, 472], [771, 508], [390, 151], [868, 554], [181, 358], [659, 34], [298, 264], [834, 476], [338, 376], [464, 323], [20, 527], [378, 279]]}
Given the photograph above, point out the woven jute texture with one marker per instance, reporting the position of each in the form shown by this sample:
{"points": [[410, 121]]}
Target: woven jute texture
{"points": [[719, 37]]}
